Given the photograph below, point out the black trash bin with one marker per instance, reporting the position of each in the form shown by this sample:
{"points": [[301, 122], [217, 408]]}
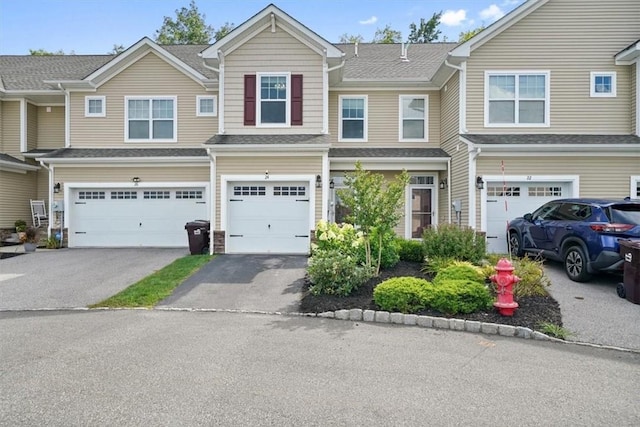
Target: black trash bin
{"points": [[198, 232], [630, 288]]}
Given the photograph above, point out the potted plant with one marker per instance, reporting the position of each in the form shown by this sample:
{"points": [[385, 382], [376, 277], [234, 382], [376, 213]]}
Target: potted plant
{"points": [[21, 226], [31, 236]]}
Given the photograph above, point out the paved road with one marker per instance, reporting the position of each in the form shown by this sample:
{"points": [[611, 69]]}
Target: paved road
{"points": [[593, 312], [67, 278], [190, 368]]}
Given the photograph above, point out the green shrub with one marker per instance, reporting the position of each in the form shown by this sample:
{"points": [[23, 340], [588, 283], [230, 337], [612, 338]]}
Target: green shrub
{"points": [[460, 271], [434, 264], [21, 225], [340, 237], [410, 250], [333, 273], [451, 241], [459, 296], [404, 294], [533, 281], [389, 256]]}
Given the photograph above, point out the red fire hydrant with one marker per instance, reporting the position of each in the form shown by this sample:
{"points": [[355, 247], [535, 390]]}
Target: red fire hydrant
{"points": [[505, 280]]}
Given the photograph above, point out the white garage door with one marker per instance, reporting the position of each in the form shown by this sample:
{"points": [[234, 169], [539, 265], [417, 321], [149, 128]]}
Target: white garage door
{"points": [[506, 202], [153, 217], [268, 217]]}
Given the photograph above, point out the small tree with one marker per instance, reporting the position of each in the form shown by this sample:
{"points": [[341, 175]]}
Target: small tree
{"points": [[466, 35], [387, 35], [189, 27], [426, 31], [375, 206], [350, 38]]}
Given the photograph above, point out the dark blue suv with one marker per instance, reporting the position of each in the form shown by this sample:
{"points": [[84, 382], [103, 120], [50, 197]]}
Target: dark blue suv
{"points": [[581, 233]]}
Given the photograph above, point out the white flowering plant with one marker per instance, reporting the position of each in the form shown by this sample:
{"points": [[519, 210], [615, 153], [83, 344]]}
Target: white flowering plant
{"points": [[343, 238]]}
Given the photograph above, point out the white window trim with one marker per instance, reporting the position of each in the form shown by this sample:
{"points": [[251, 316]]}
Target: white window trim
{"points": [[516, 73], [150, 98], [287, 107], [401, 118], [592, 84], [103, 100], [633, 186], [199, 113], [366, 118]]}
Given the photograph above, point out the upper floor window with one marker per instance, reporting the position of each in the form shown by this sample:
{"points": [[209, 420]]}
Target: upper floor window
{"points": [[94, 106], [150, 119], [413, 117], [516, 99], [603, 84], [273, 99], [353, 118], [206, 106]]}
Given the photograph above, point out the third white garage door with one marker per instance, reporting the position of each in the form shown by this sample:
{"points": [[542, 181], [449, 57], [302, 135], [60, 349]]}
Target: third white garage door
{"points": [[268, 217], [514, 199]]}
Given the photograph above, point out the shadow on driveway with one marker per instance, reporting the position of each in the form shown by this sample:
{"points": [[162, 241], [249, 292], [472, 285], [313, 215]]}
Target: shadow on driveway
{"points": [[244, 282]]}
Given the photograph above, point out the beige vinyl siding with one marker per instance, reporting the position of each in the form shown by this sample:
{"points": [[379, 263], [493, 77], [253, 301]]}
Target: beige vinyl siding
{"points": [[125, 174], [634, 99], [383, 119], [42, 184], [50, 127], [32, 127], [17, 190], [450, 108], [241, 165], [11, 128], [1, 150], [149, 76], [569, 38], [276, 52], [597, 177]]}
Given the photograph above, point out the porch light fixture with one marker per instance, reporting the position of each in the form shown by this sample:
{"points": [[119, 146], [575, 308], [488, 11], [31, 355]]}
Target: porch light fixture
{"points": [[443, 184], [56, 188], [479, 183], [135, 180], [266, 174], [332, 185], [318, 181]]}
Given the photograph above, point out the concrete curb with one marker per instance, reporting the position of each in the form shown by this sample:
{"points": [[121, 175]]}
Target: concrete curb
{"points": [[368, 316]]}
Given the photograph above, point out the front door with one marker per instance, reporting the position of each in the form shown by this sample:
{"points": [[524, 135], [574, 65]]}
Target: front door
{"points": [[421, 211]]}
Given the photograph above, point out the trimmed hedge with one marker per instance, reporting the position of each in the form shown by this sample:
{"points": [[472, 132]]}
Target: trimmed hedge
{"points": [[332, 273], [410, 250], [459, 296], [404, 294], [460, 271]]}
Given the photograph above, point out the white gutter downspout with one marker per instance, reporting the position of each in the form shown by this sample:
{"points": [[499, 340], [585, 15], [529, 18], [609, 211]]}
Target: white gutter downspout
{"points": [[637, 97], [325, 91], [220, 72], [473, 155], [67, 116], [449, 189], [23, 125], [325, 186], [50, 208], [212, 197]]}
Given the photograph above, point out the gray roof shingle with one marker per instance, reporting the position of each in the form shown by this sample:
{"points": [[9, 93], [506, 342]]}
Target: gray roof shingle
{"points": [[387, 152], [11, 159], [380, 61], [99, 153], [551, 139], [269, 139]]}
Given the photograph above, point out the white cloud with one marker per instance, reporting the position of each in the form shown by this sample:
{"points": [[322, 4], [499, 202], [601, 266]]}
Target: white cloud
{"points": [[453, 18], [492, 13], [369, 21]]}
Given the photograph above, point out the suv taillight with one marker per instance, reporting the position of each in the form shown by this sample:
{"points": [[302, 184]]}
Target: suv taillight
{"points": [[611, 228]]}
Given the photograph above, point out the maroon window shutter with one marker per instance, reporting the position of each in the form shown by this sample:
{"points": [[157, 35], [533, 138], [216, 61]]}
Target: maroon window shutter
{"points": [[296, 99], [250, 100]]}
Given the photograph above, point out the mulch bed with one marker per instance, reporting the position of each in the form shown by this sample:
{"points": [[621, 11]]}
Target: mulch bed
{"points": [[531, 311]]}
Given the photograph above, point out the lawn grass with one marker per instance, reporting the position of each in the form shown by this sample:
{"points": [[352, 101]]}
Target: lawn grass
{"points": [[157, 286]]}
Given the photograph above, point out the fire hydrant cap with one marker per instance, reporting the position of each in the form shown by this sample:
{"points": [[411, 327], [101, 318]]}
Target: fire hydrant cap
{"points": [[504, 265]]}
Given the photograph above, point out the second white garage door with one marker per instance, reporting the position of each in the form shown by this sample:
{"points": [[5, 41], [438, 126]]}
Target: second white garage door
{"points": [[514, 199], [268, 217]]}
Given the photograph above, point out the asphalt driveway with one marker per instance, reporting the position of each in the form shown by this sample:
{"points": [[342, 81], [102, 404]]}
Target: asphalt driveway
{"points": [[244, 282], [68, 278]]}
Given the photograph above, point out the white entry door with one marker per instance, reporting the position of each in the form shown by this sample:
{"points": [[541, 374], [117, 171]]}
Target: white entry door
{"points": [[506, 202], [126, 217], [268, 217]]}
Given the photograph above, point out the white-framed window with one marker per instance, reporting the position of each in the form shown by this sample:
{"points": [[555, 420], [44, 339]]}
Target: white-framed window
{"points": [[414, 114], [274, 99], [95, 106], [603, 84], [516, 99], [353, 118], [634, 188], [206, 106], [150, 118]]}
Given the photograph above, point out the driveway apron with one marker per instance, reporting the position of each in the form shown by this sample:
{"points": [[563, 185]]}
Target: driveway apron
{"points": [[71, 278], [244, 282]]}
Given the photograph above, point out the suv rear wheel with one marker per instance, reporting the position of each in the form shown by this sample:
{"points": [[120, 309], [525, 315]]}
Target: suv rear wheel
{"points": [[575, 264]]}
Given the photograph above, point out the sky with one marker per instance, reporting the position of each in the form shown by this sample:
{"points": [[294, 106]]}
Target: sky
{"points": [[95, 26]]}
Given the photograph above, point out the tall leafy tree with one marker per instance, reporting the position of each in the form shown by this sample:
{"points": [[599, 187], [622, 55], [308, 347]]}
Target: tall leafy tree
{"points": [[189, 27], [350, 38], [387, 35], [223, 31], [42, 52], [426, 31], [375, 206], [466, 35], [117, 48]]}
